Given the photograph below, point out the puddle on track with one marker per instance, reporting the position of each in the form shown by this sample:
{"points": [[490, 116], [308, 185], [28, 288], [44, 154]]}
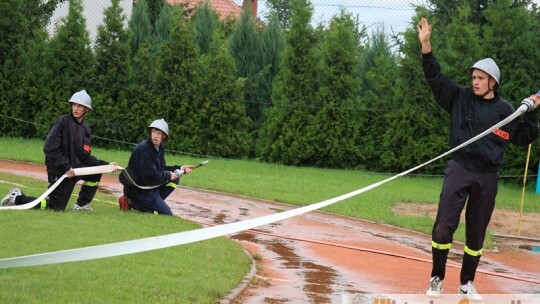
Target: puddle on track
{"points": [[318, 281], [219, 219]]}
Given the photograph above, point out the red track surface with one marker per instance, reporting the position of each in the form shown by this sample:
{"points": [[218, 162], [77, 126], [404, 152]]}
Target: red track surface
{"points": [[322, 258]]}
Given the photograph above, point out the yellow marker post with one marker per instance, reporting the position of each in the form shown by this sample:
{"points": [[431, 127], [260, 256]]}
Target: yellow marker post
{"points": [[523, 190]]}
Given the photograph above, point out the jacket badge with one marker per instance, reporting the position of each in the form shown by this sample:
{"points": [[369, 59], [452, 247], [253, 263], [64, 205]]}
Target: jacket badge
{"points": [[502, 134]]}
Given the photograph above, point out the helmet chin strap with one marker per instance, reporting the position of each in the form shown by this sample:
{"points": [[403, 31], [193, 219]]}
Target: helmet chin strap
{"points": [[489, 90], [485, 94]]}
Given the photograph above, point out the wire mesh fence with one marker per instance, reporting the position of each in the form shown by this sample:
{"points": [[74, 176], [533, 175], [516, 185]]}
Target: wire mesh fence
{"points": [[93, 13], [393, 15]]}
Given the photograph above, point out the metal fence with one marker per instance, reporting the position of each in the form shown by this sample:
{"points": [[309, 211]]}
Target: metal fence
{"points": [[93, 13], [394, 15]]}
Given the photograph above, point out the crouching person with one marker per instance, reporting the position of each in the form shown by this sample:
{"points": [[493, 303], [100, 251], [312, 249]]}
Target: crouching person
{"points": [[67, 147], [147, 169]]}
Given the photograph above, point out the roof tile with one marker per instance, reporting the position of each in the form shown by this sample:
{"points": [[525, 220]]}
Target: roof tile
{"points": [[224, 8]]}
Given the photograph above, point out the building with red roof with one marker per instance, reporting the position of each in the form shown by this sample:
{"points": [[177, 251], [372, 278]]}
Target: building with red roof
{"points": [[224, 8]]}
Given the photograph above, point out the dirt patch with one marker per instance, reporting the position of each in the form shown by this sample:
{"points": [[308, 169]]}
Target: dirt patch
{"points": [[503, 222]]}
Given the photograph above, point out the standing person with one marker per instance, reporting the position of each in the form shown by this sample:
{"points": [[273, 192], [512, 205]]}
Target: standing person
{"points": [[67, 146], [472, 174], [147, 168]]}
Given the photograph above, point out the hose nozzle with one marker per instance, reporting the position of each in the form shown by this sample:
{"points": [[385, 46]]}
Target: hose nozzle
{"points": [[529, 103]]}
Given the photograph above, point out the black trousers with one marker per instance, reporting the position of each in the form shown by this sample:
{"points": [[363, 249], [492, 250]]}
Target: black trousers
{"points": [[59, 198], [478, 191]]}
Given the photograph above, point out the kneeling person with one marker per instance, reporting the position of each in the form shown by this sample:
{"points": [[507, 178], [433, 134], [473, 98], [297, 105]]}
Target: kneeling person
{"points": [[147, 168], [67, 147]]}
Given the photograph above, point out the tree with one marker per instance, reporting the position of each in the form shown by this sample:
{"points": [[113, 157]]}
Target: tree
{"points": [[155, 8], [206, 24], [221, 111], [178, 82], [161, 27], [462, 46], [245, 47], [283, 9], [378, 68], [445, 11], [71, 54], [144, 96], [415, 129], [272, 44], [113, 71], [510, 38], [411, 89], [285, 137], [23, 74], [335, 124], [12, 43], [378, 78], [140, 26]]}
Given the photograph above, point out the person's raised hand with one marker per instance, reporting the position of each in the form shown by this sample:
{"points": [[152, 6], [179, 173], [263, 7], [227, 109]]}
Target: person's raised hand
{"points": [[424, 35]]}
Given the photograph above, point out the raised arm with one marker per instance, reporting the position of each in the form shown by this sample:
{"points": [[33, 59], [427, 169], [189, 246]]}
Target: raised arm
{"points": [[424, 34]]}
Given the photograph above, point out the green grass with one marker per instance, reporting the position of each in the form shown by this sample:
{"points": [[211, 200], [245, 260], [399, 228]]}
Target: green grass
{"points": [[201, 272], [292, 185], [302, 186]]}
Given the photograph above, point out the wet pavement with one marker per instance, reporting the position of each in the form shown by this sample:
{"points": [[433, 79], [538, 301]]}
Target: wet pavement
{"points": [[323, 258], [302, 259]]}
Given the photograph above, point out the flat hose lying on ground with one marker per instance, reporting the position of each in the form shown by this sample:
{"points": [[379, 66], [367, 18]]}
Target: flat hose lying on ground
{"points": [[186, 237]]}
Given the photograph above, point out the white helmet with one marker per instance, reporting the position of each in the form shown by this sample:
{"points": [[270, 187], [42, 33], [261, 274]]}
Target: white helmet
{"points": [[489, 66], [160, 124], [82, 98]]}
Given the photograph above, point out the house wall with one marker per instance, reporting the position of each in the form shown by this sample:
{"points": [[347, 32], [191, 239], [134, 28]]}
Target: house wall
{"points": [[93, 12]]}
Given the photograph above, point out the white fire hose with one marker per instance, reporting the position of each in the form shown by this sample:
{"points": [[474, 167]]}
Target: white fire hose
{"points": [[178, 172], [90, 171], [186, 237], [78, 172]]}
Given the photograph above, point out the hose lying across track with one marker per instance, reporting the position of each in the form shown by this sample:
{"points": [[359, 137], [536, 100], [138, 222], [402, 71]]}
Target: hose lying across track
{"points": [[186, 237]]}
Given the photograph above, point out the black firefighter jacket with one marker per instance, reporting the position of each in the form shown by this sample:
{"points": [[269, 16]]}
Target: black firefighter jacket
{"points": [[68, 145], [146, 167], [470, 115]]}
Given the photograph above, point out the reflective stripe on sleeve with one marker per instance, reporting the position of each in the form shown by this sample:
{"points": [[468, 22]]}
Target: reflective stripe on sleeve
{"points": [[171, 184]]}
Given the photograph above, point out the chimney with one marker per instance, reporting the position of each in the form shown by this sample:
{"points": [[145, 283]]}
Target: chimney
{"points": [[253, 4]]}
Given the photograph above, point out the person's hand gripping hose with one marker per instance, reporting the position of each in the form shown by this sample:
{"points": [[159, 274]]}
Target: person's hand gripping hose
{"points": [[529, 102], [182, 171]]}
